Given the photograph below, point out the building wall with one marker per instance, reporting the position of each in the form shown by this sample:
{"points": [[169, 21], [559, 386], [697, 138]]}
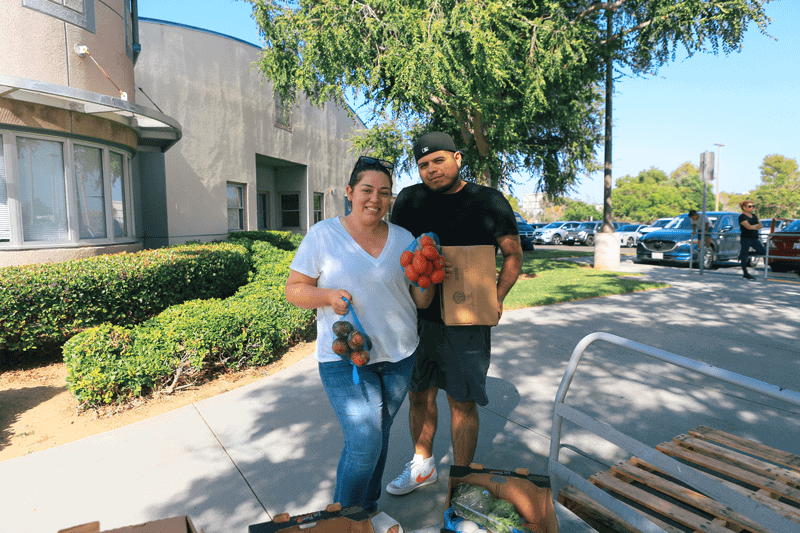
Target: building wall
{"points": [[38, 44], [208, 83]]}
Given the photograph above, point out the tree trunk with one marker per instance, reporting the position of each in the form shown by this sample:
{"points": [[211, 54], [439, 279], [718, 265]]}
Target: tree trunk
{"points": [[608, 219]]}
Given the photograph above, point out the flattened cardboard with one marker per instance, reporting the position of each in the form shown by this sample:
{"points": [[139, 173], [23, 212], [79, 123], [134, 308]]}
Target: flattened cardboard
{"points": [[529, 494], [334, 519], [469, 292], [175, 524]]}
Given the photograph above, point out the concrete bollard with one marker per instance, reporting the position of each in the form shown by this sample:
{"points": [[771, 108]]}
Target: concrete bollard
{"points": [[606, 251]]}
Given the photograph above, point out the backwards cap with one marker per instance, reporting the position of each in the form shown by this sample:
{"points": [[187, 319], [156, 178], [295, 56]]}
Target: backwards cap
{"points": [[433, 142]]}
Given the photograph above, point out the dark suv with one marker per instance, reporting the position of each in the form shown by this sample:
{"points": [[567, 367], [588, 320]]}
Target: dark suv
{"points": [[671, 244], [583, 234]]}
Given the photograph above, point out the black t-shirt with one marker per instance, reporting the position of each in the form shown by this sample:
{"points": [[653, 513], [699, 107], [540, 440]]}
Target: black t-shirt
{"points": [[748, 233], [474, 215]]}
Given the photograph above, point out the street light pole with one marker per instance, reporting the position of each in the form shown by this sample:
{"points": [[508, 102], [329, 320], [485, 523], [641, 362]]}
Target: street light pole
{"points": [[716, 204]]}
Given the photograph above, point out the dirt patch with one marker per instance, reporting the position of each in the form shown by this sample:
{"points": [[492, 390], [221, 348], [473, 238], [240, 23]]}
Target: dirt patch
{"points": [[37, 412]]}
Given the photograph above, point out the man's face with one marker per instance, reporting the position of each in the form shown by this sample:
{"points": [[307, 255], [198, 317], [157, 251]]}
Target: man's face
{"points": [[694, 217], [439, 171]]}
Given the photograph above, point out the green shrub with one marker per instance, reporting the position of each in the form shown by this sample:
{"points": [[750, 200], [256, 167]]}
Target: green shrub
{"points": [[46, 304], [246, 329], [283, 240]]}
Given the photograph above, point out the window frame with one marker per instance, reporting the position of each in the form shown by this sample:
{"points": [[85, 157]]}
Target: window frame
{"points": [[242, 209], [10, 138], [321, 210], [299, 210]]}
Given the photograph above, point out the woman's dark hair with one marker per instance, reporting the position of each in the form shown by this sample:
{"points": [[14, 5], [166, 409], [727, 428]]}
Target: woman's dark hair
{"points": [[365, 163]]}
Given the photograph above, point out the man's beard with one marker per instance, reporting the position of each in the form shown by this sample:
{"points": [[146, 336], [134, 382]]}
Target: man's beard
{"points": [[441, 190]]}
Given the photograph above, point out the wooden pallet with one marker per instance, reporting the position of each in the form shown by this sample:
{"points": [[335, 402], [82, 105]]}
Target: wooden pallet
{"points": [[766, 474]]}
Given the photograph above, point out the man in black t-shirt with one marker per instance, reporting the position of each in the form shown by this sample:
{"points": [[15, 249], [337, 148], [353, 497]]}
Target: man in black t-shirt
{"points": [[749, 226], [453, 358]]}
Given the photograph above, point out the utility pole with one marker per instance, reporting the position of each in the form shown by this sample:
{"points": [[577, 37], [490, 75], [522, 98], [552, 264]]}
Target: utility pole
{"points": [[719, 160]]}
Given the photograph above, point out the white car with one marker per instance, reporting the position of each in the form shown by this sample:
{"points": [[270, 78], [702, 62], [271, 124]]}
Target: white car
{"points": [[658, 224], [629, 234]]}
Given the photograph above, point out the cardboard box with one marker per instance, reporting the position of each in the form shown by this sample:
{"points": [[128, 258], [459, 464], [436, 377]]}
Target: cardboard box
{"points": [[176, 524], [469, 292], [334, 519], [529, 494]]}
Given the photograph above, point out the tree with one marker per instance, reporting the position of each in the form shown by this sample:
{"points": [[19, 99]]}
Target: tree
{"points": [[514, 201], [510, 79], [779, 193], [577, 210], [643, 35], [652, 194]]}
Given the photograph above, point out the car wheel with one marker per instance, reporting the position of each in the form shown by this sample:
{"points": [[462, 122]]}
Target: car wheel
{"points": [[629, 244], [556, 239], [590, 240], [708, 260]]}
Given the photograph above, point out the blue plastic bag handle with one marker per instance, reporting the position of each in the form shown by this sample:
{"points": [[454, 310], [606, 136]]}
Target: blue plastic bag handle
{"points": [[352, 311]]}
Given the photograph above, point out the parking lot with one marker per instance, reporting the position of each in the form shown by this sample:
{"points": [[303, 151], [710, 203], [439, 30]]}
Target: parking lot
{"points": [[726, 269]]}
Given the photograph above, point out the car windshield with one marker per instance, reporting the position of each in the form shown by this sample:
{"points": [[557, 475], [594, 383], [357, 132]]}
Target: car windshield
{"points": [[681, 222], [794, 227], [661, 223], [587, 225], [629, 227], [554, 225]]}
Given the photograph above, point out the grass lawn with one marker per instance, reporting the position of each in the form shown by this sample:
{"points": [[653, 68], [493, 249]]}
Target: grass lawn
{"points": [[546, 280]]}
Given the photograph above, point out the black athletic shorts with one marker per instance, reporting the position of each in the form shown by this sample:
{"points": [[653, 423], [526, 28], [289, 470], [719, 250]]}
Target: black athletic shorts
{"points": [[454, 359]]}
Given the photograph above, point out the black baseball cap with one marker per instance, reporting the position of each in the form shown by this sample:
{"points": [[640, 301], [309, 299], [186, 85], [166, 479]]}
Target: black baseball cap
{"points": [[433, 142]]}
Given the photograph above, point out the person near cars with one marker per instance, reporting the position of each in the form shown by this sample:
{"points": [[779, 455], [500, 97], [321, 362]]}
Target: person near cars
{"points": [[453, 358], [749, 225], [700, 221], [357, 257]]}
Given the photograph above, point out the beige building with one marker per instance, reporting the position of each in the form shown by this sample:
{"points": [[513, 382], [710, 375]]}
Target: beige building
{"points": [[118, 134]]}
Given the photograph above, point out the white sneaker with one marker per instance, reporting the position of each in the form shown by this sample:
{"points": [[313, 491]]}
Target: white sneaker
{"points": [[415, 475]]}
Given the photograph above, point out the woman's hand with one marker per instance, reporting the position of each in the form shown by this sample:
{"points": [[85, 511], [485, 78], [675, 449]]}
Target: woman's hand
{"points": [[302, 291], [335, 298]]}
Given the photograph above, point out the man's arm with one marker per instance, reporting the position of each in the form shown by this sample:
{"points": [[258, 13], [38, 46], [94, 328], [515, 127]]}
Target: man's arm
{"points": [[511, 249]]}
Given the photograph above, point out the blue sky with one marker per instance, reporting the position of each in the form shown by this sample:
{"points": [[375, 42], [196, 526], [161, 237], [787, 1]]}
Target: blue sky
{"points": [[749, 101]]}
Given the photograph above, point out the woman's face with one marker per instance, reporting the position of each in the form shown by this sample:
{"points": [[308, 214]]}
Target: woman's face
{"points": [[371, 196]]}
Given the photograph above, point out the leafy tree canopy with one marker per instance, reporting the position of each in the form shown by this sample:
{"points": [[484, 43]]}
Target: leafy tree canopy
{"points": [[652, 194], [779, 192], [515, 82]]}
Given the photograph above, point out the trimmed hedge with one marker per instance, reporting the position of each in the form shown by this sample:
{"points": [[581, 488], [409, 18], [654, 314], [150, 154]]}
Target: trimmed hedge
{"points": [[107, 364], [282, 240], [42, 305]]}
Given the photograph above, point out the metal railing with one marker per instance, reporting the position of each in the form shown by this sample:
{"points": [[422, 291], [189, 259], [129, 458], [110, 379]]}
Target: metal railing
{"points": [[561, 475]]}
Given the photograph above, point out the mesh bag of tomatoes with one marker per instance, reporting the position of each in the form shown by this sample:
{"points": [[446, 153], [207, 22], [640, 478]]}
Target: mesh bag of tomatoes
{"points": [[422, 261], [351, 343]]}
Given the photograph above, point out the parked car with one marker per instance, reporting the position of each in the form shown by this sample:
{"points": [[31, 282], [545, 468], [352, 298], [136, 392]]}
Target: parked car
{"points": [[525, 233], [629, 234], [554, 232], [784, 249], [672, 243], [658, 224], [582, 234], [537, 225], [779, 224]]}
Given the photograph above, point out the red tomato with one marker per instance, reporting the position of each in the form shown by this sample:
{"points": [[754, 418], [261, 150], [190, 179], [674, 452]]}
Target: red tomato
{"points": [[406, 258]]}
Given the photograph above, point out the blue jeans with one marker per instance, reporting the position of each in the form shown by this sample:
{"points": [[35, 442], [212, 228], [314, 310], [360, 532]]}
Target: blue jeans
{"points": [[746, 244], [366, 412]]}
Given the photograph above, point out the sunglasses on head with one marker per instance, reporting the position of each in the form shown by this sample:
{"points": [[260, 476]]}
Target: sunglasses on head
{"points": [[366, 160]]}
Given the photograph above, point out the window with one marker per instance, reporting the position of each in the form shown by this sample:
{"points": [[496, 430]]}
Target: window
{"points": [[43, 194], [290, 210], [5, 223], [283, 113], [64, 191], [235, 207], [319, 202], [263, 210], [88, 164], [118, 206]]}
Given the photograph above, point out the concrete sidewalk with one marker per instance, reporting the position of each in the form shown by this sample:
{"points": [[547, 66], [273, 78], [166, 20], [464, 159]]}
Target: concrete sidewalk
{"points": [[271, 447]]}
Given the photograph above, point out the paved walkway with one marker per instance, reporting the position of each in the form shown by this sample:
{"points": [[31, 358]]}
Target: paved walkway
{"points": [[242, 457]]}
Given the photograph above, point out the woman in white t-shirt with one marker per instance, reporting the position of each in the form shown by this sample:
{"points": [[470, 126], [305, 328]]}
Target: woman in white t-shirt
{"points": [[358, 257]]}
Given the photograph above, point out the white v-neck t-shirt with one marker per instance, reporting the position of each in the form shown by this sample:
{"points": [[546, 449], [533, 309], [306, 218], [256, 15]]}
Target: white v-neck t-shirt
{"points": [[379, 288]]}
